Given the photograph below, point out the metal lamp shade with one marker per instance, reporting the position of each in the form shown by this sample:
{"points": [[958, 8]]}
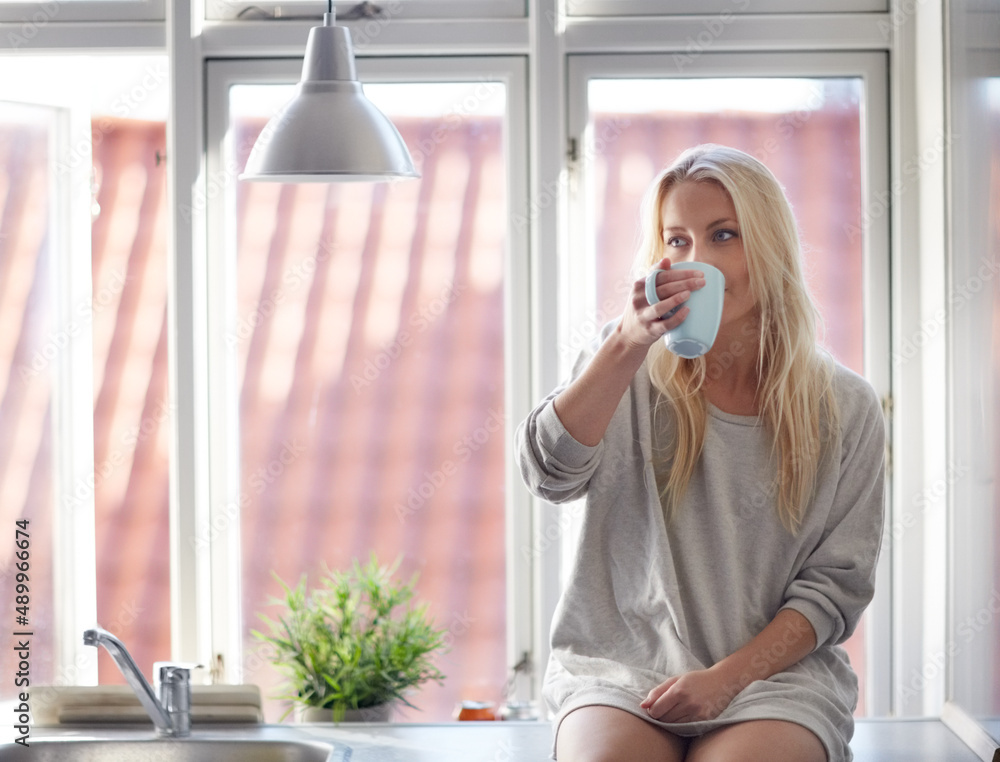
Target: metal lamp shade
{"points": [[329, 131]]}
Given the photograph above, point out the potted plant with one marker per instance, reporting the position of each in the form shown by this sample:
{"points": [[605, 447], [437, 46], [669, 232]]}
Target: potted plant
{"points": [[353, 646]]}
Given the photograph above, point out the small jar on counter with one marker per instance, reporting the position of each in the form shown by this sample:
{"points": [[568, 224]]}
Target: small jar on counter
{"points": [[474, 711], [519, 710]]}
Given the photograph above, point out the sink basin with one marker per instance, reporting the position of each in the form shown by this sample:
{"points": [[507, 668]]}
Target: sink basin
{"points": [[168, 750]]}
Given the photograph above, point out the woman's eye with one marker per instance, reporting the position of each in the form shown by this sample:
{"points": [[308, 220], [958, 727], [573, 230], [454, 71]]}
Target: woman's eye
{"points": [[724, 235], [675, 241]]}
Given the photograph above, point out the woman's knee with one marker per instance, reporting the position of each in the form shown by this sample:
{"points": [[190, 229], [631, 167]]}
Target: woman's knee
{"points": [[606, 734], [774, 740]]}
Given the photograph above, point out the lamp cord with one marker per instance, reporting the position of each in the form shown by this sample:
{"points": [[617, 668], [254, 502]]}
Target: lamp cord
{"points": [[363, 10]]}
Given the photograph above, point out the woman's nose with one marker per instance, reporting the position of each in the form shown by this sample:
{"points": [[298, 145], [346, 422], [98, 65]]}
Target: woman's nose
{"points": [[691, 253]]}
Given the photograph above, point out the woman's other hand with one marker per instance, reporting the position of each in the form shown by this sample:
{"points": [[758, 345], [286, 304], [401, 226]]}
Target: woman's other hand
{"points": [[699, 695]]}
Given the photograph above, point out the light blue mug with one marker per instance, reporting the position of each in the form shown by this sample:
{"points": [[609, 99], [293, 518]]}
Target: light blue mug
{"points": [[696, 334]]}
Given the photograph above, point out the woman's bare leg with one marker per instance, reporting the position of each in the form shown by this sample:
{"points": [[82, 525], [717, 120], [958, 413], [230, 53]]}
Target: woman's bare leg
{"points": [[773, 740], [606, 734]]}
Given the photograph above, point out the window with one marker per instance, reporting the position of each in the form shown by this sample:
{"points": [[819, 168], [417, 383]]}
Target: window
{"points": [[83, 415], [30, 20], [724, 8], [810, 132], [30, 345], [972, 319], [85, 403], [366, 19], [367, 352]]}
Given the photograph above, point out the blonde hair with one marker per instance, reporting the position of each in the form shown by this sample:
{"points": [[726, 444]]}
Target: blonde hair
{"points": [[795, 376]]}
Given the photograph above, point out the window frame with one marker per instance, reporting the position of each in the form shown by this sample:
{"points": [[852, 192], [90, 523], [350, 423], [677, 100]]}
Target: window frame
{"points": [[544, 37], [872, 69], [74, 563], [224, 456], [221, 10], [28, 19], [972, 52], [723, 7]]}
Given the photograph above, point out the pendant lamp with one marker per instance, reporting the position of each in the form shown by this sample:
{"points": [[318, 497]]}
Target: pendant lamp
{"points": [[329, 131]]}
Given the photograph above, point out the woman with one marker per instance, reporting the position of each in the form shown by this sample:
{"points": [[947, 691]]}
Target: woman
{"points": [[733, 503]]}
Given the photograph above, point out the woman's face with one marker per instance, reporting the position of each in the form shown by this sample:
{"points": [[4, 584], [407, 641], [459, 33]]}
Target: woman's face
{"points": [[699, 224]]}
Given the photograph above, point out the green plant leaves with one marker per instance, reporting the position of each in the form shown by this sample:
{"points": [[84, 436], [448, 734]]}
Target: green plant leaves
{"points": [[355, 641]]}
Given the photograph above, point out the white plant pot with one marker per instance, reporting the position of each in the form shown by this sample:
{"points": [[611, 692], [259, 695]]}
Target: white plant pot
{"points": [[380, 713]]}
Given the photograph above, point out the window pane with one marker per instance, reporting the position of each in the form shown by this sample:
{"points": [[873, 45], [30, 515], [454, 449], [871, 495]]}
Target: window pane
{"points": [[124, 319], [973, 638], [370, 351], [29, 343], [788, 124], [722, 10], [366, 23], [27, 20], [807, 131], [132, 413]]}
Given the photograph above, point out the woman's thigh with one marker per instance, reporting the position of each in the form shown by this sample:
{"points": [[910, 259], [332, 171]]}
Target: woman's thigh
{"points": [[606, 734], [773, 740]]}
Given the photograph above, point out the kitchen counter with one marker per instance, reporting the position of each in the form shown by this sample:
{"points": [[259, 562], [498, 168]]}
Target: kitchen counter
{"points": [[874, 741]]}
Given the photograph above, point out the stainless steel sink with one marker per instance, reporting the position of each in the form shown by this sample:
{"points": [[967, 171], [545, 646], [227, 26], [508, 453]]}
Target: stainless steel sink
{"points": [[167, 750]]}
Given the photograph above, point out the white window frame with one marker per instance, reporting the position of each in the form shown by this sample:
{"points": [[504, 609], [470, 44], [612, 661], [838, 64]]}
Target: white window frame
{"points": [[28, 20], [872, 69], [545, 37], [231, 10], [724, 7], [973, 51], [74, 563], [226, 617]]}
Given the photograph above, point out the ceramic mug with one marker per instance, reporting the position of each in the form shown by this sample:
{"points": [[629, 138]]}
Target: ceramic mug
{"points": [[696, 334]]}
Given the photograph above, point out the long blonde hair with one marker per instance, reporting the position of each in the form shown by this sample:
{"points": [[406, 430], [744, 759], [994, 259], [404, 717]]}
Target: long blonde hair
{"points": [[795, 376]]}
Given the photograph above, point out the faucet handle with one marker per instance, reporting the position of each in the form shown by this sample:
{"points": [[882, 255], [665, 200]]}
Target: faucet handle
{"points": [[174, 687], [173, 672]]}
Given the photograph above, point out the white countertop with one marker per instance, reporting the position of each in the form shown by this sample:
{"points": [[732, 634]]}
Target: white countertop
{"points": [[874, 741]]}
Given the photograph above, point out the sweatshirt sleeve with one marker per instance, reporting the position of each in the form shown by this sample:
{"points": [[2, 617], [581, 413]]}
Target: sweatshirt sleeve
{"points": [[554, 465], [837, 580]]}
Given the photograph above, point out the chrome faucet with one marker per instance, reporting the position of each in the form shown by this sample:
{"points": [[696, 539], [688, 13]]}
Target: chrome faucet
{"points": [[171, 712]]}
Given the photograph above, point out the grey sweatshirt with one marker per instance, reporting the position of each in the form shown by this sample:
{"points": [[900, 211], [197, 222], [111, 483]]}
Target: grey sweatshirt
{"points": [[648, 599]]}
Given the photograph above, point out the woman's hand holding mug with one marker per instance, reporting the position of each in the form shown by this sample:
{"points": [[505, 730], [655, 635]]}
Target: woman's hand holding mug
{"points": [[700, 313]]}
